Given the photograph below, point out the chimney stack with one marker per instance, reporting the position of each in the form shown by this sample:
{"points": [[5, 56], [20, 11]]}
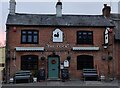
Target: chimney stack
{"points": [[12, 7], [59, 9], [106, 11]]}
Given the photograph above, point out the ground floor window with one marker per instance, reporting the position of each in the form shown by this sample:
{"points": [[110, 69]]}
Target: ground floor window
{"points": [[84, 61], [29, 62]]}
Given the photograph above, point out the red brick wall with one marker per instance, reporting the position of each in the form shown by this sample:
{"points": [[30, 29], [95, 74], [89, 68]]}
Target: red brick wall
{"points": [[117, 57], [45, 37]]}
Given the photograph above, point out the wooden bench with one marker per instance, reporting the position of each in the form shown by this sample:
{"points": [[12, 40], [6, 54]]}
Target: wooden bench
{"points": [[90, 74]]}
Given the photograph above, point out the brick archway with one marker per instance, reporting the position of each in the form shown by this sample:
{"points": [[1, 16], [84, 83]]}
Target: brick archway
{"points": [[29, 62], [85, 61]]}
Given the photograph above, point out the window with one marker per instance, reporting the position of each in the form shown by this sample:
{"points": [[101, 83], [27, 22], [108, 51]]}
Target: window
{"points": [[85, 62], [29, 62], [29, 37], [84, 37]]}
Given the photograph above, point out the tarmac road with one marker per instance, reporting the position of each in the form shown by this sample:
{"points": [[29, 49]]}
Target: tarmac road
{"points": [[68, 84]]}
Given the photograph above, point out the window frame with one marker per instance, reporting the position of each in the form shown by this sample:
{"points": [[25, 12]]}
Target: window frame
{"points": [[27, 35], [29, 62], [87, 40]]}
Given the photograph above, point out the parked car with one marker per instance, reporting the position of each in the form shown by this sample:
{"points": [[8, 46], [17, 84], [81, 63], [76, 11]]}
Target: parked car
{"points": [[23, 77]]}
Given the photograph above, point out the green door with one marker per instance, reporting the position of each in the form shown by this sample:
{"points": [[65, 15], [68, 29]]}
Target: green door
{"points": [[53, 68]]}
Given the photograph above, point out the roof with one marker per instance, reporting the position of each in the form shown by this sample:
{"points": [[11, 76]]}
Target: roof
{"points": [[116, 19], [117, 35], [52, 20]]}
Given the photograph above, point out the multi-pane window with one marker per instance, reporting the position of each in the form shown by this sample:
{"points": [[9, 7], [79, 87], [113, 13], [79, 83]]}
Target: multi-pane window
{"points": [[29, 37], [84, 37], [29, 62]]}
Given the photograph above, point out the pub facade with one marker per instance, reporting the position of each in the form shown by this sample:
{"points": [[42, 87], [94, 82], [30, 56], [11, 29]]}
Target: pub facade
{"points": [[57, 41]]}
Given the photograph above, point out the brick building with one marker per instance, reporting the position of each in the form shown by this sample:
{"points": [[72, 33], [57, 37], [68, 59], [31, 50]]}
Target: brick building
{"points": [[57, 41], [116, 19]]}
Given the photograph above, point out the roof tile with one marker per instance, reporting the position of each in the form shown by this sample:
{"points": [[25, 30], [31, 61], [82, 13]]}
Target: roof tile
{"points": [[52, 20]]}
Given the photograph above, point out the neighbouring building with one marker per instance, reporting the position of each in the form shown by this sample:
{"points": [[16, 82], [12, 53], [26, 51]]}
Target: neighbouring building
{"points": [[2, 61], [57, 41], [116, 19]]}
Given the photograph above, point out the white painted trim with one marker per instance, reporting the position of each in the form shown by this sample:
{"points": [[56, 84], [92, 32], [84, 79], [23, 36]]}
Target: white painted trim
{"points": [[29, 48], [86, 48]]}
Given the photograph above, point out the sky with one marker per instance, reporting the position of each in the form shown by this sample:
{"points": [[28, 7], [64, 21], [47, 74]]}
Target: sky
{"points": [[80, 7]]}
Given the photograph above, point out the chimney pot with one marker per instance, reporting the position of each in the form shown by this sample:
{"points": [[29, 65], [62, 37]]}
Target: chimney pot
{"points": [[105, 5], [59, 9], [106, 11]]}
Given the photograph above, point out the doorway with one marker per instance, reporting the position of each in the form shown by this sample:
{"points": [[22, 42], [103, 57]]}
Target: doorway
{"points": [[53, 67]]}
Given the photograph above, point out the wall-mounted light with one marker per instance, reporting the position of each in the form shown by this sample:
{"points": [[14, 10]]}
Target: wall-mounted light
{"points": [[68, 58], [105, 47], [14, 29], [103, 57], [66, 63], [109, 30]]}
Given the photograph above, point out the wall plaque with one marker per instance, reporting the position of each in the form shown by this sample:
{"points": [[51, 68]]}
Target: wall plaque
{"points": [[57, 35]]}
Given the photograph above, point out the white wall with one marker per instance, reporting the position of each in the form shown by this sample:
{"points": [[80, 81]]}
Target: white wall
{"points": [[2, 60]]}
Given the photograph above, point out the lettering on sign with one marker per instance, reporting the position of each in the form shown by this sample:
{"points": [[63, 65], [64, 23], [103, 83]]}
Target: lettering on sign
{"points": [[57, 46]]}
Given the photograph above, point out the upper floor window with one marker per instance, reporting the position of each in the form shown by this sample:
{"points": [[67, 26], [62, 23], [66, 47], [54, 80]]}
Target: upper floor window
{"points": [[84, 37], [29, 37]]}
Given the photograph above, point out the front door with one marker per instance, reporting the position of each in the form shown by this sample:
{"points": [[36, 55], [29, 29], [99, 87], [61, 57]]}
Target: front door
{"points": [[53, 68]]}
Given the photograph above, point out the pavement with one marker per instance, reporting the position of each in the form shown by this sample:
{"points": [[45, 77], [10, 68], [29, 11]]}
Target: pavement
{"points": [[67, 84], [0, 83]]}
